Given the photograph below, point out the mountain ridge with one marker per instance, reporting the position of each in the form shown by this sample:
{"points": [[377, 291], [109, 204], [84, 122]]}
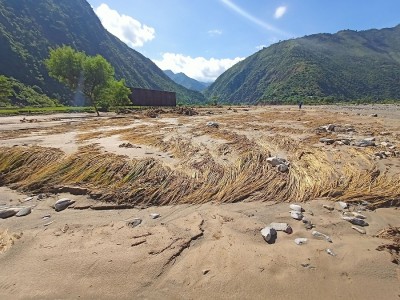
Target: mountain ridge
{"points": [[344, 66], [186, 81], [28, 29]]}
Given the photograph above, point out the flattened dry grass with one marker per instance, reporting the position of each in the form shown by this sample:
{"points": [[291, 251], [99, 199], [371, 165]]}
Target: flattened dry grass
{"points": [[203, 172], [149, 182]]}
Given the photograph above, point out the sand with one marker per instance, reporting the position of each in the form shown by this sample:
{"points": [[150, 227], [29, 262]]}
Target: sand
{"points": [[202, 251]]}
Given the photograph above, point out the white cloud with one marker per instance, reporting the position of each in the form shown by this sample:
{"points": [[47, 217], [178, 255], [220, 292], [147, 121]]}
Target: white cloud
{"points": [[214, 32], [199, 68], [126, 28], [280, 11], [252, 18]]}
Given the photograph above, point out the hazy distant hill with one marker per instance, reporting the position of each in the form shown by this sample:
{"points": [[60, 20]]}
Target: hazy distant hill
{"points": [[348, 65], [186, 81], [29, 28]]}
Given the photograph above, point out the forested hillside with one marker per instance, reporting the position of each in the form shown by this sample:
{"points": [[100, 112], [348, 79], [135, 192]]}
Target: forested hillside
{"points": [[345, 66], [28, 29]]}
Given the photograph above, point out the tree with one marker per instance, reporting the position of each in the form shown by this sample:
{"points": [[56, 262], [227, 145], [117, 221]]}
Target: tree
{"points": [[92, 75], [5, 90]]}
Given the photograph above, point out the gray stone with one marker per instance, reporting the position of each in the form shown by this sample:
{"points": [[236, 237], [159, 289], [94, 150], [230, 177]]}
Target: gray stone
{"points": [[134, 222], [355, 221], [364, 143], [24, 212], [8, 212], [285, 227], [269, 234], [154, 215], [296, 215], [212, 124], [327, 141], [275, 161], [63, 204], [282, 168]]}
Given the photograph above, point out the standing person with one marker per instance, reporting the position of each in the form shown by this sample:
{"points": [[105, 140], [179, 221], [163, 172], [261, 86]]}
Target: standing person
{"points": [[300, 104]]}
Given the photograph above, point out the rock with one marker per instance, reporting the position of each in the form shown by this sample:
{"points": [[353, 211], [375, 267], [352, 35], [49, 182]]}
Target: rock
{"points": [[296, 207], [28, 199], [330, 252], [330, 208], [321, 236], [282, 168], [355, 221], [300, 241], [154, 215], [24, 212], [212, 124], [308, 224], [276, 161], [296, 215], [360, 230], [285, 227], [206, 271], [358, 215], [343, 205], [134, 222], [63, 204], [269, 234], [8, 212], [364, 143], [327, 141], [329, 127], [346, 141], [370, 139], [386, 144]]}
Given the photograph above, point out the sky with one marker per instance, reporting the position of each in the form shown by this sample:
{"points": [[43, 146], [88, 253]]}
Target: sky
{"points": [[203, 38]]}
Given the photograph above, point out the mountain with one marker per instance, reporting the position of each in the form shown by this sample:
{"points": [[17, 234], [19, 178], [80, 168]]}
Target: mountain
{"points": [[186, 81], [28, 29], [348, 65]]}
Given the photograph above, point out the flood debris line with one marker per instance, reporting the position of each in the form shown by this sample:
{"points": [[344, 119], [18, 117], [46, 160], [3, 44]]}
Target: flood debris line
{"points": [[392, 234], [226, 165]]}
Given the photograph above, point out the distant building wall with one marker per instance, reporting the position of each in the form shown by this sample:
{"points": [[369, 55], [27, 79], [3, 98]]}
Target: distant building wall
{"points": [[144, 97]]}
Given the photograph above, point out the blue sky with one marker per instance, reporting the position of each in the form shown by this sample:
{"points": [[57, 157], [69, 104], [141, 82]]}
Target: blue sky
{"points": [[203, 38]]}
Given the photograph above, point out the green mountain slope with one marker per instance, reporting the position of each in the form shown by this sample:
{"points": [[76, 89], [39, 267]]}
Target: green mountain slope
{"points": [[348, 65], [186, 81], [29, 28]]}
